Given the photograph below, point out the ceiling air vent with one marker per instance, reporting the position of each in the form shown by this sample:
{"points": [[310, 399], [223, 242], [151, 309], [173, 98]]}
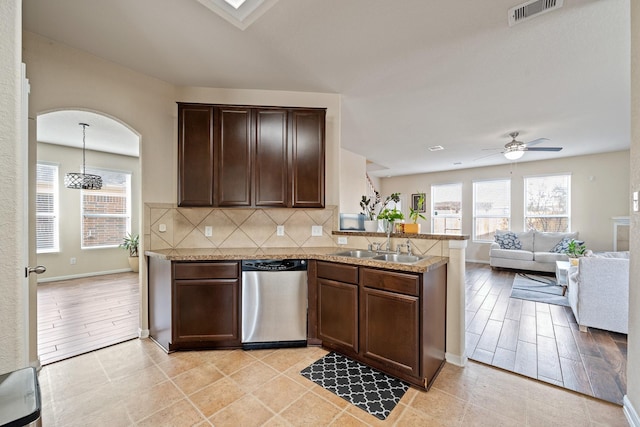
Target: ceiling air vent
{"points": [[531, 9]]}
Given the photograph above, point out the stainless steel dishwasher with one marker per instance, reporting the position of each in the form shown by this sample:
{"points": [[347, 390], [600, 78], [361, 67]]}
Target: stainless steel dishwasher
{"points": [[274, 303]]}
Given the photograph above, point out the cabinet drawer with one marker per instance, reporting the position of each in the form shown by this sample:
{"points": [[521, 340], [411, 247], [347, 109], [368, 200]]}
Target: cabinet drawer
{"points": [[391, 281], [206, 270], [338, 272]]}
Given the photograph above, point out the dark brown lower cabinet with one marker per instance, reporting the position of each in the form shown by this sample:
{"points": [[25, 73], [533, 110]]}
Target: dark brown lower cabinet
{"points": [[194, 304], [338, 314], [399, 318], [390, 326]]}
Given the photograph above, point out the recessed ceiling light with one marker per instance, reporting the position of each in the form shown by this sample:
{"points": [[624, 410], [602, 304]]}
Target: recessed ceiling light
{"points": [[235, 3], [436, 148], [457, 163]]}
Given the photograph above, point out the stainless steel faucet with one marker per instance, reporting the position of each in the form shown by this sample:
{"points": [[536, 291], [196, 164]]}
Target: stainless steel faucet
{"points": [[405, 245]]}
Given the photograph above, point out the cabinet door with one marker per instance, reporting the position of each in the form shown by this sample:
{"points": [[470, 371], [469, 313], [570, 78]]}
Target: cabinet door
{"points": [[235, 147], [195, 155], [338, 314], [389, 334], [307, 161], [272, 171], [206, 311]]}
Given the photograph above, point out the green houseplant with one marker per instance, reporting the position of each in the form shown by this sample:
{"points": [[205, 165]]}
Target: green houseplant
{"points": [[575, 249], [414, 214], [131, 243], [369, 206]]}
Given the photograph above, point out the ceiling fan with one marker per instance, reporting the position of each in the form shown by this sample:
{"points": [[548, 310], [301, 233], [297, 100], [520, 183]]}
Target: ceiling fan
{"points": [[514, 149]]}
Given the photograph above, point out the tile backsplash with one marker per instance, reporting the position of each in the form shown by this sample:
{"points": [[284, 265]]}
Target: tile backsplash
{"points": [[168, 226]]}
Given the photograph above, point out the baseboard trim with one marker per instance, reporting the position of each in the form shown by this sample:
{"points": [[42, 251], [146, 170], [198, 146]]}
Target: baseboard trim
{"points": [[80, 276], [630, 412], [455, 359], [478, 261]]}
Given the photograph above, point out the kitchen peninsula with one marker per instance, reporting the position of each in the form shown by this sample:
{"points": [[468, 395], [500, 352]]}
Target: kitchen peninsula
{"points": [[347, 295]]}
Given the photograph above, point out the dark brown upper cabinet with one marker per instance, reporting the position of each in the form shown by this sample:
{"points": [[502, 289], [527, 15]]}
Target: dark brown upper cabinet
{"points": [[251, 156]]}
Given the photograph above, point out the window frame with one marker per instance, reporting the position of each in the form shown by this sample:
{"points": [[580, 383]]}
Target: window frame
{"points": [[457, 216], [55, 247], [525, 198], [492, 216], [128, 203]]}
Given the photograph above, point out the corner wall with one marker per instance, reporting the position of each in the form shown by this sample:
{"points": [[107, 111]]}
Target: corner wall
{"points": [[12, 303], [632, 399]]}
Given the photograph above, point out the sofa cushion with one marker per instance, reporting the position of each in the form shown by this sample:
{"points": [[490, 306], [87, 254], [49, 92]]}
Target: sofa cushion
{"points": [[545, 241], [512, 254], [508, 240], [526, 239], [550, 257]]}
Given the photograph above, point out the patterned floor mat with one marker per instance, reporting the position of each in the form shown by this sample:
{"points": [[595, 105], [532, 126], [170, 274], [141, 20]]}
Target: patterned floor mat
{"points": [[362, 386]]}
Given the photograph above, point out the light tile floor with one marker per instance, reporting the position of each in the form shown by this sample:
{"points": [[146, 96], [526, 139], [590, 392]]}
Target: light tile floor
{"points": [[137, 384]]}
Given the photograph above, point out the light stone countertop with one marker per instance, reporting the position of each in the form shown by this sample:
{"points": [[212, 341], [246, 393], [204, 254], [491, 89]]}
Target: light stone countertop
{"points": [[321, 254]]}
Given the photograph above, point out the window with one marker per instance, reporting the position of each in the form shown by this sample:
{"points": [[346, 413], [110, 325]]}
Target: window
{"points": [[547, 202], [446, 202], [106, 213], [47, 208], [491, 208]]}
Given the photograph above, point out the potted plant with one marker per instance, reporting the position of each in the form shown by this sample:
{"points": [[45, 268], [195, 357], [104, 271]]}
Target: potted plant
{"points": [[575, 249], [131, 243], [388, 216], [414, 214], [369, 206]]}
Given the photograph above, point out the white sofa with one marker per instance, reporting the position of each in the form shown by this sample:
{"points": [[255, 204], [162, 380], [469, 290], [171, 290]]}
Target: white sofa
{"points": [[599, 291], [535, 253]]}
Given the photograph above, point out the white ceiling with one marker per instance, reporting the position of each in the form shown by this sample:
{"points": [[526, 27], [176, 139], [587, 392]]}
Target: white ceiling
{"points": [[103, 133], [412, 73]]}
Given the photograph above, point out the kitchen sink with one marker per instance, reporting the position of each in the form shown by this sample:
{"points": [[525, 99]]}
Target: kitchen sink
{"points": [[400, 258], [357, 254]]}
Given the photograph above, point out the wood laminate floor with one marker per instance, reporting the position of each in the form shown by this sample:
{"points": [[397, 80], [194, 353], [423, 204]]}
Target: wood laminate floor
{"points": [[81, 315], [540, 340]]}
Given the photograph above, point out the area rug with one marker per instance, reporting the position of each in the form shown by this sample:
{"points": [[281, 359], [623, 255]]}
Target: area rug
{"points": [[358, 384], [538, 288]]}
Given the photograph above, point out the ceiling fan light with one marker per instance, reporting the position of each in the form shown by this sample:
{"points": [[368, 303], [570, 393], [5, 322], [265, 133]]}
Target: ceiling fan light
{"points": [[513, 154]]}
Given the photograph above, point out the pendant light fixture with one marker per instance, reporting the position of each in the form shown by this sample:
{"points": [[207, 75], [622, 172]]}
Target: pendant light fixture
{"points": [[82, 180]]}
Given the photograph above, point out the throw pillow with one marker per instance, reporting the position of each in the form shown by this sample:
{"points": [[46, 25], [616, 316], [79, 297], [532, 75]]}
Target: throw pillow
{"points": [[562, 246], [508, 240]]}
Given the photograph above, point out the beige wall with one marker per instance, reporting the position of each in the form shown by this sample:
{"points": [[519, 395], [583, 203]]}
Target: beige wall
{"points": [[353, 184], [633, 361], [88, 261], [599, 191]]}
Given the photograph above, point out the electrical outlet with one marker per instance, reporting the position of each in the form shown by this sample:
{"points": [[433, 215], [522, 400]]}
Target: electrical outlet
{"points": [[342, 240], [208, 231], [162, 228], [72, 261], [279, 230], [316, 230]]}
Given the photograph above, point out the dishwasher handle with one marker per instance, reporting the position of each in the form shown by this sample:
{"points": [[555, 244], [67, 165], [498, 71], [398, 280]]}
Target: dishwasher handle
{"points": [[274, 265]]}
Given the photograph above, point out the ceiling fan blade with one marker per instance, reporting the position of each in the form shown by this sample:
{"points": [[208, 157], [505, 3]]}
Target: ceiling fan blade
{"points": [[536, 141], [543, 149]]}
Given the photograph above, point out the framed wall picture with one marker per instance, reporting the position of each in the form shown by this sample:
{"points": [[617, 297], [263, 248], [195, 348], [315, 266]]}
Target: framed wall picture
{"points": [[415, 198]]}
